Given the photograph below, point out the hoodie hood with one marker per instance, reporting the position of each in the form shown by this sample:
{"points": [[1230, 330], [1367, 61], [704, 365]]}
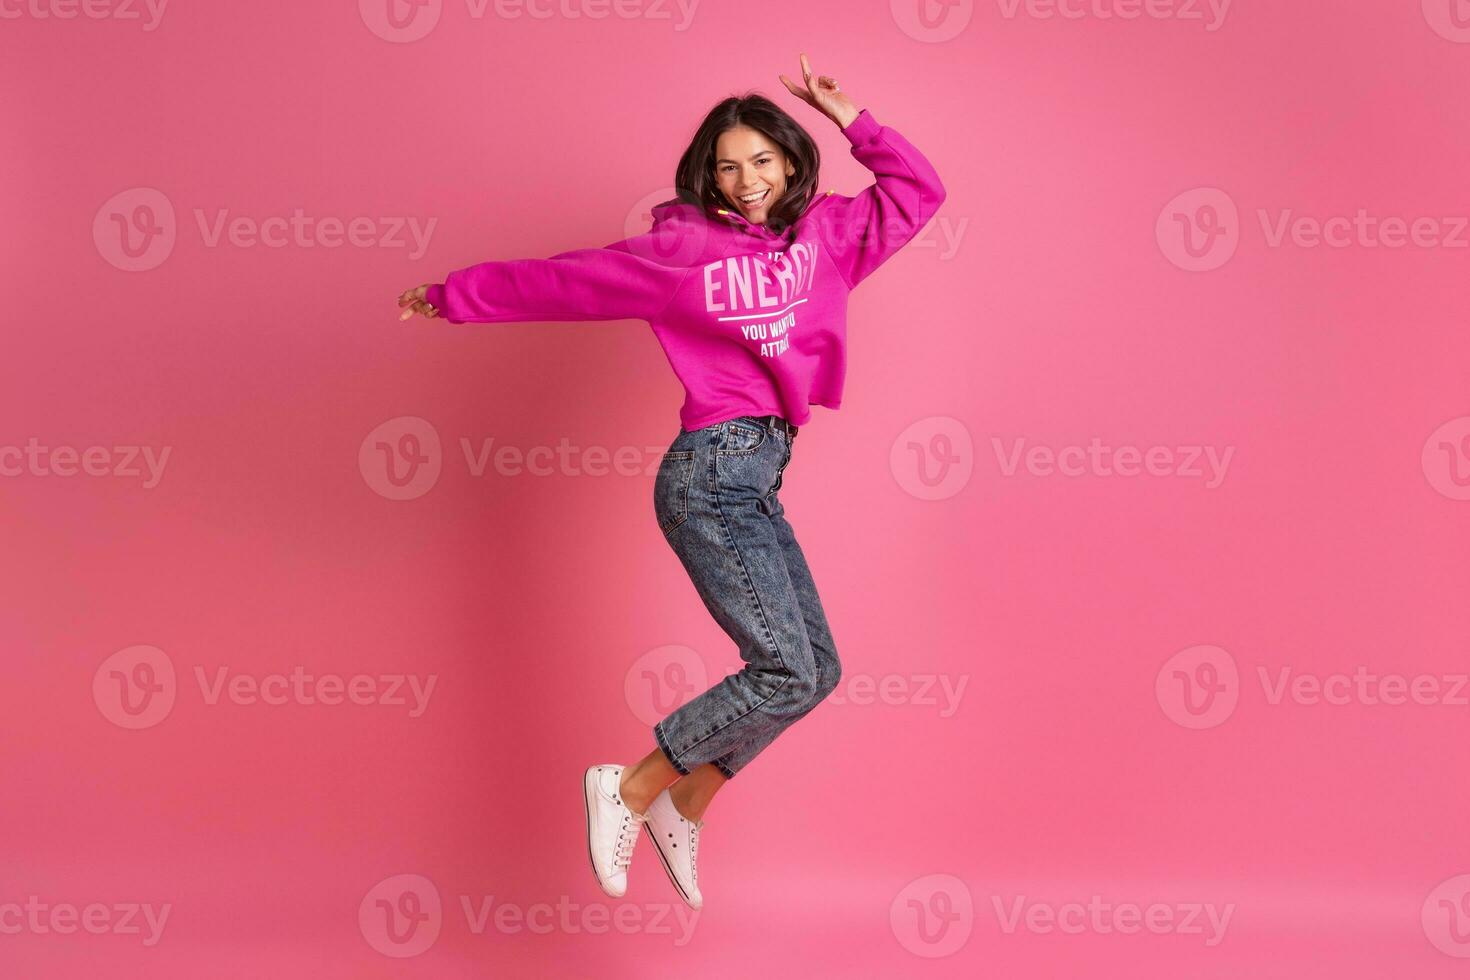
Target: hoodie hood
{"points": [[674, 212]]}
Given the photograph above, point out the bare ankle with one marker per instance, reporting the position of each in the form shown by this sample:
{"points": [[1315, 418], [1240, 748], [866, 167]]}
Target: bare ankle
{"points": [[689, 808], [634, 794]]}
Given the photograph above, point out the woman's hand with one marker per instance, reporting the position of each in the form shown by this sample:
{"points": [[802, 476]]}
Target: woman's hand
{"points": [[414, 300], [824, 96]]}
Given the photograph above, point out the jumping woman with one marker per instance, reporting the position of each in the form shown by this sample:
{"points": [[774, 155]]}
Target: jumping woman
{"points": [[744, 278]]}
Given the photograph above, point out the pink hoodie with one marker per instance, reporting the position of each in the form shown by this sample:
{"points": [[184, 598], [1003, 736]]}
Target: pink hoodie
{"points": [[752, 322]]}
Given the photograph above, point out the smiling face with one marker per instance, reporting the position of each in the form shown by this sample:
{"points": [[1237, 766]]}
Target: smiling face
{"points": [[749, 165]]}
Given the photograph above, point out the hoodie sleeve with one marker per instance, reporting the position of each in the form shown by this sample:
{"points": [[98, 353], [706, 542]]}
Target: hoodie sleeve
{"points": [[863, 231], [620, 281]]}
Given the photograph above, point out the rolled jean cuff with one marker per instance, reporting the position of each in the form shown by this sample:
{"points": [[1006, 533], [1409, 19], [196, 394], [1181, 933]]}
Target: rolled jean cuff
{"points": [[658, 736], [729, 773]]}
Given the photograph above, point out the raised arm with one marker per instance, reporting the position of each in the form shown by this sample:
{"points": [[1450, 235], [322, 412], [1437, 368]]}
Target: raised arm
{"points": [[862, 232], [616, 282]]}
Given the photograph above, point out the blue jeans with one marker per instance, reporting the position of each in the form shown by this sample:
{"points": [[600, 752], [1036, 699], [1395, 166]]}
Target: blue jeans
{"points": [[716, 503]]}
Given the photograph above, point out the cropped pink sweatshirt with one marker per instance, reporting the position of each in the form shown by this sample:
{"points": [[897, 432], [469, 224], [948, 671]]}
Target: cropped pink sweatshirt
{"points": [[752, 322]]}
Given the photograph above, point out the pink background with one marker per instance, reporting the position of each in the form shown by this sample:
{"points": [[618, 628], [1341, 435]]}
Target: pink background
{"points": [[1046, 303]]}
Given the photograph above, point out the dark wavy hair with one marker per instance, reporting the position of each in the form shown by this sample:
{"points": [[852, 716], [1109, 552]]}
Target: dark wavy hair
{"points": [[694, 179]]}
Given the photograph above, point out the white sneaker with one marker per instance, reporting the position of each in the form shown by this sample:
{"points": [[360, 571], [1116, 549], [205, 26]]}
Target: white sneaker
{"points": [[612, 828], [677, 842]]}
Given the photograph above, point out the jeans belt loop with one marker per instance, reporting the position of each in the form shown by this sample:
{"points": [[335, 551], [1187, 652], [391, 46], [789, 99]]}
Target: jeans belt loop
{"points": [[775, 423]]}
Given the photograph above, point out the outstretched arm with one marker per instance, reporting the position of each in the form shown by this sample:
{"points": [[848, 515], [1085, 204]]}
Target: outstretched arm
{"points": [[616, 282]]}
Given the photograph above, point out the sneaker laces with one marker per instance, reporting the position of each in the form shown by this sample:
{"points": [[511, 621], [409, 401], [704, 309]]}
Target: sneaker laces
{"points": [[623, 852], [694, 849]]}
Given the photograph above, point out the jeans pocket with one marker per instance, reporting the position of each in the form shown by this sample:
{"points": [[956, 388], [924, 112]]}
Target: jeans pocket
{"points": [[740, 437], [671, 490]]}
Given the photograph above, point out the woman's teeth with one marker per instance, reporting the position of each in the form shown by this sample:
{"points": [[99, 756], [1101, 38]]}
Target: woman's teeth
{"points": [[754, 199]]}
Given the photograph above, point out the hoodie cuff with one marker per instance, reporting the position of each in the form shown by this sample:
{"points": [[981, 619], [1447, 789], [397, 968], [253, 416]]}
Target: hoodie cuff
{"points": [[434, 296], [861, 129]]}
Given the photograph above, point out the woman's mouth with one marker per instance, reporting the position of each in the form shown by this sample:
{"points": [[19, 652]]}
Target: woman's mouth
{"points": [[755, 200]]}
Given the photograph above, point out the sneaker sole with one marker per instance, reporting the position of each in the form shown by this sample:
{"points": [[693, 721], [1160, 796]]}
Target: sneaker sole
{"points": [[668, 869]]}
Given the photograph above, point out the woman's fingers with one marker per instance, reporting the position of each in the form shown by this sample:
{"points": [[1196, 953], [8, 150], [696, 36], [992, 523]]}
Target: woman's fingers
{"points": [[412, 301], [796, 90], [818, 91]]}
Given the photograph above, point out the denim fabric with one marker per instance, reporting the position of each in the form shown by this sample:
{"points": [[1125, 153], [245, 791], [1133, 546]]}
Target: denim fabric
{"points": [[716, 502]]}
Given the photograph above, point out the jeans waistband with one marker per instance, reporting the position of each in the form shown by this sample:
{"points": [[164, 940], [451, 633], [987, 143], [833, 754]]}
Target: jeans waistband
{"points": [[775, 422]]}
